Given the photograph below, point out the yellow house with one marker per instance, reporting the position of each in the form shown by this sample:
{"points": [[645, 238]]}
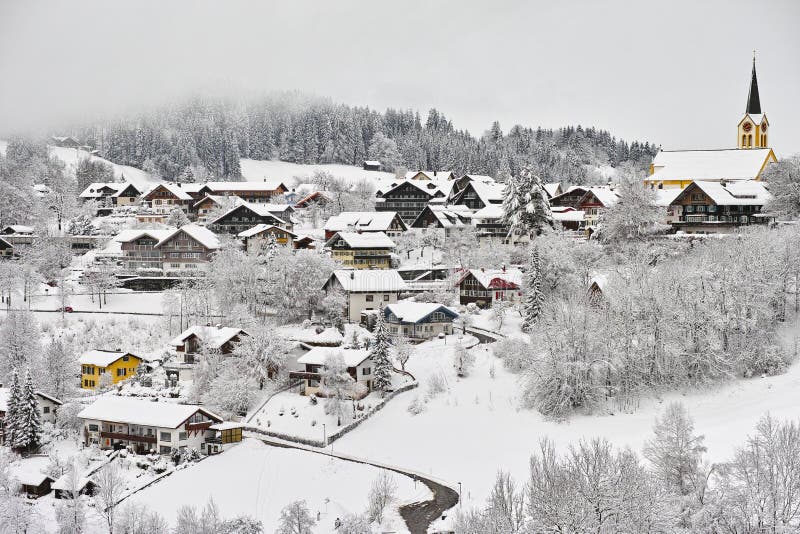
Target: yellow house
{"points": [[369, 250], [118, 365]]}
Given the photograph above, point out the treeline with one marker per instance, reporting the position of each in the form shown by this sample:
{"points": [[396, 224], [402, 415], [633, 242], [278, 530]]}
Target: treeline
{"points": [[214, 133]]}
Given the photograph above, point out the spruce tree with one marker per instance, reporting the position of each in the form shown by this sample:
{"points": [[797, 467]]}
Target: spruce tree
{"points": [[532, 306], [379, 353], [12, 408], [28, 422]]}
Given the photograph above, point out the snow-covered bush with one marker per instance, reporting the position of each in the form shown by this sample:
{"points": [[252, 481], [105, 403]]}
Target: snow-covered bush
{"points": [[436, 384], [771, 360], [514, 352], [463, 360], [417, 406]]}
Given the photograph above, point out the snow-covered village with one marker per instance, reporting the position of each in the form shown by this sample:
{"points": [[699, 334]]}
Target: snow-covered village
{"points": [[432, 268]]}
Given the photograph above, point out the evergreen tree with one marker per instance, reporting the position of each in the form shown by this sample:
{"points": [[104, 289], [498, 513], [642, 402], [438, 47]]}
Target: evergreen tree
{"points": [[13, 408], [532, 306], [27, 421], [379, 352], [525, 204]]}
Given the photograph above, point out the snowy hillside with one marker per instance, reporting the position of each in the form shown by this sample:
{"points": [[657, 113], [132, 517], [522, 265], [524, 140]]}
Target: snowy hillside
{"points": [[71, 156], [257, 170]]}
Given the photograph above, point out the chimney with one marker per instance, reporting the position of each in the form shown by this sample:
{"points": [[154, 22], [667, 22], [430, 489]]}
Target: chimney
{"points": [[219, 326], [504, 267], [483, 270], [352, 275], [119, 349]]}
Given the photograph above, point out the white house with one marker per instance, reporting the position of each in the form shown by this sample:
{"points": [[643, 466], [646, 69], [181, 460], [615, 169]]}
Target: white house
{"points": [[419, 321], [144, 425], [47, 408], [359, 366], [365, 290]]}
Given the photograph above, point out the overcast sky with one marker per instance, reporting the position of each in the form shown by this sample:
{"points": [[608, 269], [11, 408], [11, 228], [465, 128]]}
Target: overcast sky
{"points": [[673, 72]]}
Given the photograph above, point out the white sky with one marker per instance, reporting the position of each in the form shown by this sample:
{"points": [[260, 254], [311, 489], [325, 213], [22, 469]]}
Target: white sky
{"points": [[673, 72]]}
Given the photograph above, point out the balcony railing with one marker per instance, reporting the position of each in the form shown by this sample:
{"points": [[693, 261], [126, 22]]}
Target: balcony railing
{"points": [[127, 437]]}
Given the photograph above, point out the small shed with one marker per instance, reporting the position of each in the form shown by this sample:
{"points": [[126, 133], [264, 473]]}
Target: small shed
{"points": [[372, 165]]}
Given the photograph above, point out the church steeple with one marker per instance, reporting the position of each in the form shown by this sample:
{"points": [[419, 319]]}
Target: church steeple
{"points": [[753, 102]]}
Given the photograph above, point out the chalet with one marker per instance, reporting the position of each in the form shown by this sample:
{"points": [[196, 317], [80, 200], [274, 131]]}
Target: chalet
{"points": [[443, 218], [99, 191], [371, 165], [388, 222], [195, 338], [720, 207], [33, 484], [594, 201], [64, 487], [553, 189], [318, 337], [65, 141], [359, 366], [491, 227], [257, 239], [6, 249], [206, 205], [117, 364], [113, 422], [678, 168], [256, 192], [162, 198], [127, 195], [365, 289], [18, 234], [371, 250], [570, 197], [304, 242], [568, 218], [486, 286], [409, 197], [419, 321], [46, 404], [185, 250], [317, 198], [478, 195], [429, 175], [247, 215]]}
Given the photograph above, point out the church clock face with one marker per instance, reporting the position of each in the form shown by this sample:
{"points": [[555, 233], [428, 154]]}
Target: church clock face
{"points": [[747, 126], [764, 127]]}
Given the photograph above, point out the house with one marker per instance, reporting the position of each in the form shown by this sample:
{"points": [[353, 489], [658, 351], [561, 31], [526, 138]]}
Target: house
{"points": [[678, 168], [304, 242], [113, 422], [553, 189], [226, 434], [443, 218], [317, 198], [359, 366], [388, 222], [162, 198], [127, 195], [486, 286], [570, 197], [64, 487], [371, 165], [719, 207], [365, 289], [47, 405], [318, 337], [258, 238], [255, 192], [409, 197], [491, 227], [594, 201], [478, 195], [219, 338], [419, 321], [118, 364], [6, 249], [18, 234], [203, 207], [247, 215], [99, 191], [568, 217], [65, 141], [429, 175], [372, 250], [182, 251], [33, 484]]}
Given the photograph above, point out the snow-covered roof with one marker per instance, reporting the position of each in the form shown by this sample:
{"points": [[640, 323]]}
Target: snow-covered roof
{"points": [[114, 246], [730, 164], [372, 162], [490, 278], [211, 336], [267, 184], [220, 200], [750, 192], [226, 425], [431, 187], [5, 393], [102, 358], [448, 216], [329, 336], [479, 178], [201, 234], [257, 229], [363, 280], [18, 229], [65, 484], [179, 191], [605, 195], [317, 356], [262, 210], [366, 221], [552, 188], [137, 411], [5, 243], [571, 215], [93, 190], [363, 240], [413, 312], [665, 197], [491, 193], [432, 175], [491, 211], [29, 476]]}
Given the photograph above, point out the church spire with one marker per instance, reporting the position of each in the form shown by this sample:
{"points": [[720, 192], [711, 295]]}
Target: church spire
{"points": [[753, 102]]}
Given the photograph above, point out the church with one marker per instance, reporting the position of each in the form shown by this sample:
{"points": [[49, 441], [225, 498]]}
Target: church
{"points": [[678, 168]]}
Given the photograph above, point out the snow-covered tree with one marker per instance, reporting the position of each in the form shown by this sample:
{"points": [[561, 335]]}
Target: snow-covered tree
{"points": [[264, 354], [177, 218], [234, 390], [110, 487], [353, 524], [71, 512], [81, 225], [534, 298], [635, 215], [403, 349], [526, 207], [337, 386], [500, 309], [463, 359], [379, 354], [783, 178], [296, 519], [381, 495], [19, 343], [13, 408], [135, 518], [384, 149], [23, 417]]}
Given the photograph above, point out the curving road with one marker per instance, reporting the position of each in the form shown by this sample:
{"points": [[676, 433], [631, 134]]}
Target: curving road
{"points": [[418, 516]]}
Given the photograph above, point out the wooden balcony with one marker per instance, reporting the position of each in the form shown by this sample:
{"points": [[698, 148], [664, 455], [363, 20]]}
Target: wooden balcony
{"points": [[128, 437], [196, 427], [304, 375]]}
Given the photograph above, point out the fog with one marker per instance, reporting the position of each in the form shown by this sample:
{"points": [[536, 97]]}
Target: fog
{"points": [[675, 73]]}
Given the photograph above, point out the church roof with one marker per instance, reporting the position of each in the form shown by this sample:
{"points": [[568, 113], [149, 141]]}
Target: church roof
{"points": [[753, 101], [726, 164]]}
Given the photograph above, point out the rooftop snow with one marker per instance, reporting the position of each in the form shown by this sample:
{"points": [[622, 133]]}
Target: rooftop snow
{"points": [[413, 312], [487, 276], [267, 184], [750, 192], [211, 336], [317, 356], [368, 221], [135, 411], [491, 211], [362, 280], [365, 240], [101, 358], [732, 164], [257, 229], [5, 393], [201, 234]]}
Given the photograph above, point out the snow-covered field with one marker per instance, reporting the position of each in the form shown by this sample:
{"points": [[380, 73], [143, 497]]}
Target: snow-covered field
{"points": [[256, 170], [259, 480], [477, 427], [137, 177]]}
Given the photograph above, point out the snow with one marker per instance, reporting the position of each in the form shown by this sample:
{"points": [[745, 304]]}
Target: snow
{"points": [[365, 240], [179, 191], [18, 229], [430, 175], [366, 221], [329, 336], [201, 234], [135, 411], [491, 193], [291, 173], [266, 184], [490, 277], [211, 336], [605, 195], [259, 480], [413, 312], [262, 210], [552, 188], [490, 212], [71, 156], [5, 394], [257, 229], [747, 192], [101, 358], [369, 280], [731, 164], [318, 355]]}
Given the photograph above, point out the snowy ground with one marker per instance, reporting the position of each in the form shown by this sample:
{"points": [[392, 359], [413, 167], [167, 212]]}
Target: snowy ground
{"points": [[256, 170], [476, 427], [259, 480], [137, 177]]}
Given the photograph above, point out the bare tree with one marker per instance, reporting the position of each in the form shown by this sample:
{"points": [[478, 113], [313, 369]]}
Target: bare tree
{"points": [[296, 519], [110, 488], [381, 495]]}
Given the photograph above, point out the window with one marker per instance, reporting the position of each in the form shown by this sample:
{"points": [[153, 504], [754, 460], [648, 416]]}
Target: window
{"points": [[386, 298], [165, 436], [370, 298], [122, 372], [165, 449], [125, 358], [366, 371], [46, 409], [313, 383], [689, 209], [93, 428], [181, 436]]}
